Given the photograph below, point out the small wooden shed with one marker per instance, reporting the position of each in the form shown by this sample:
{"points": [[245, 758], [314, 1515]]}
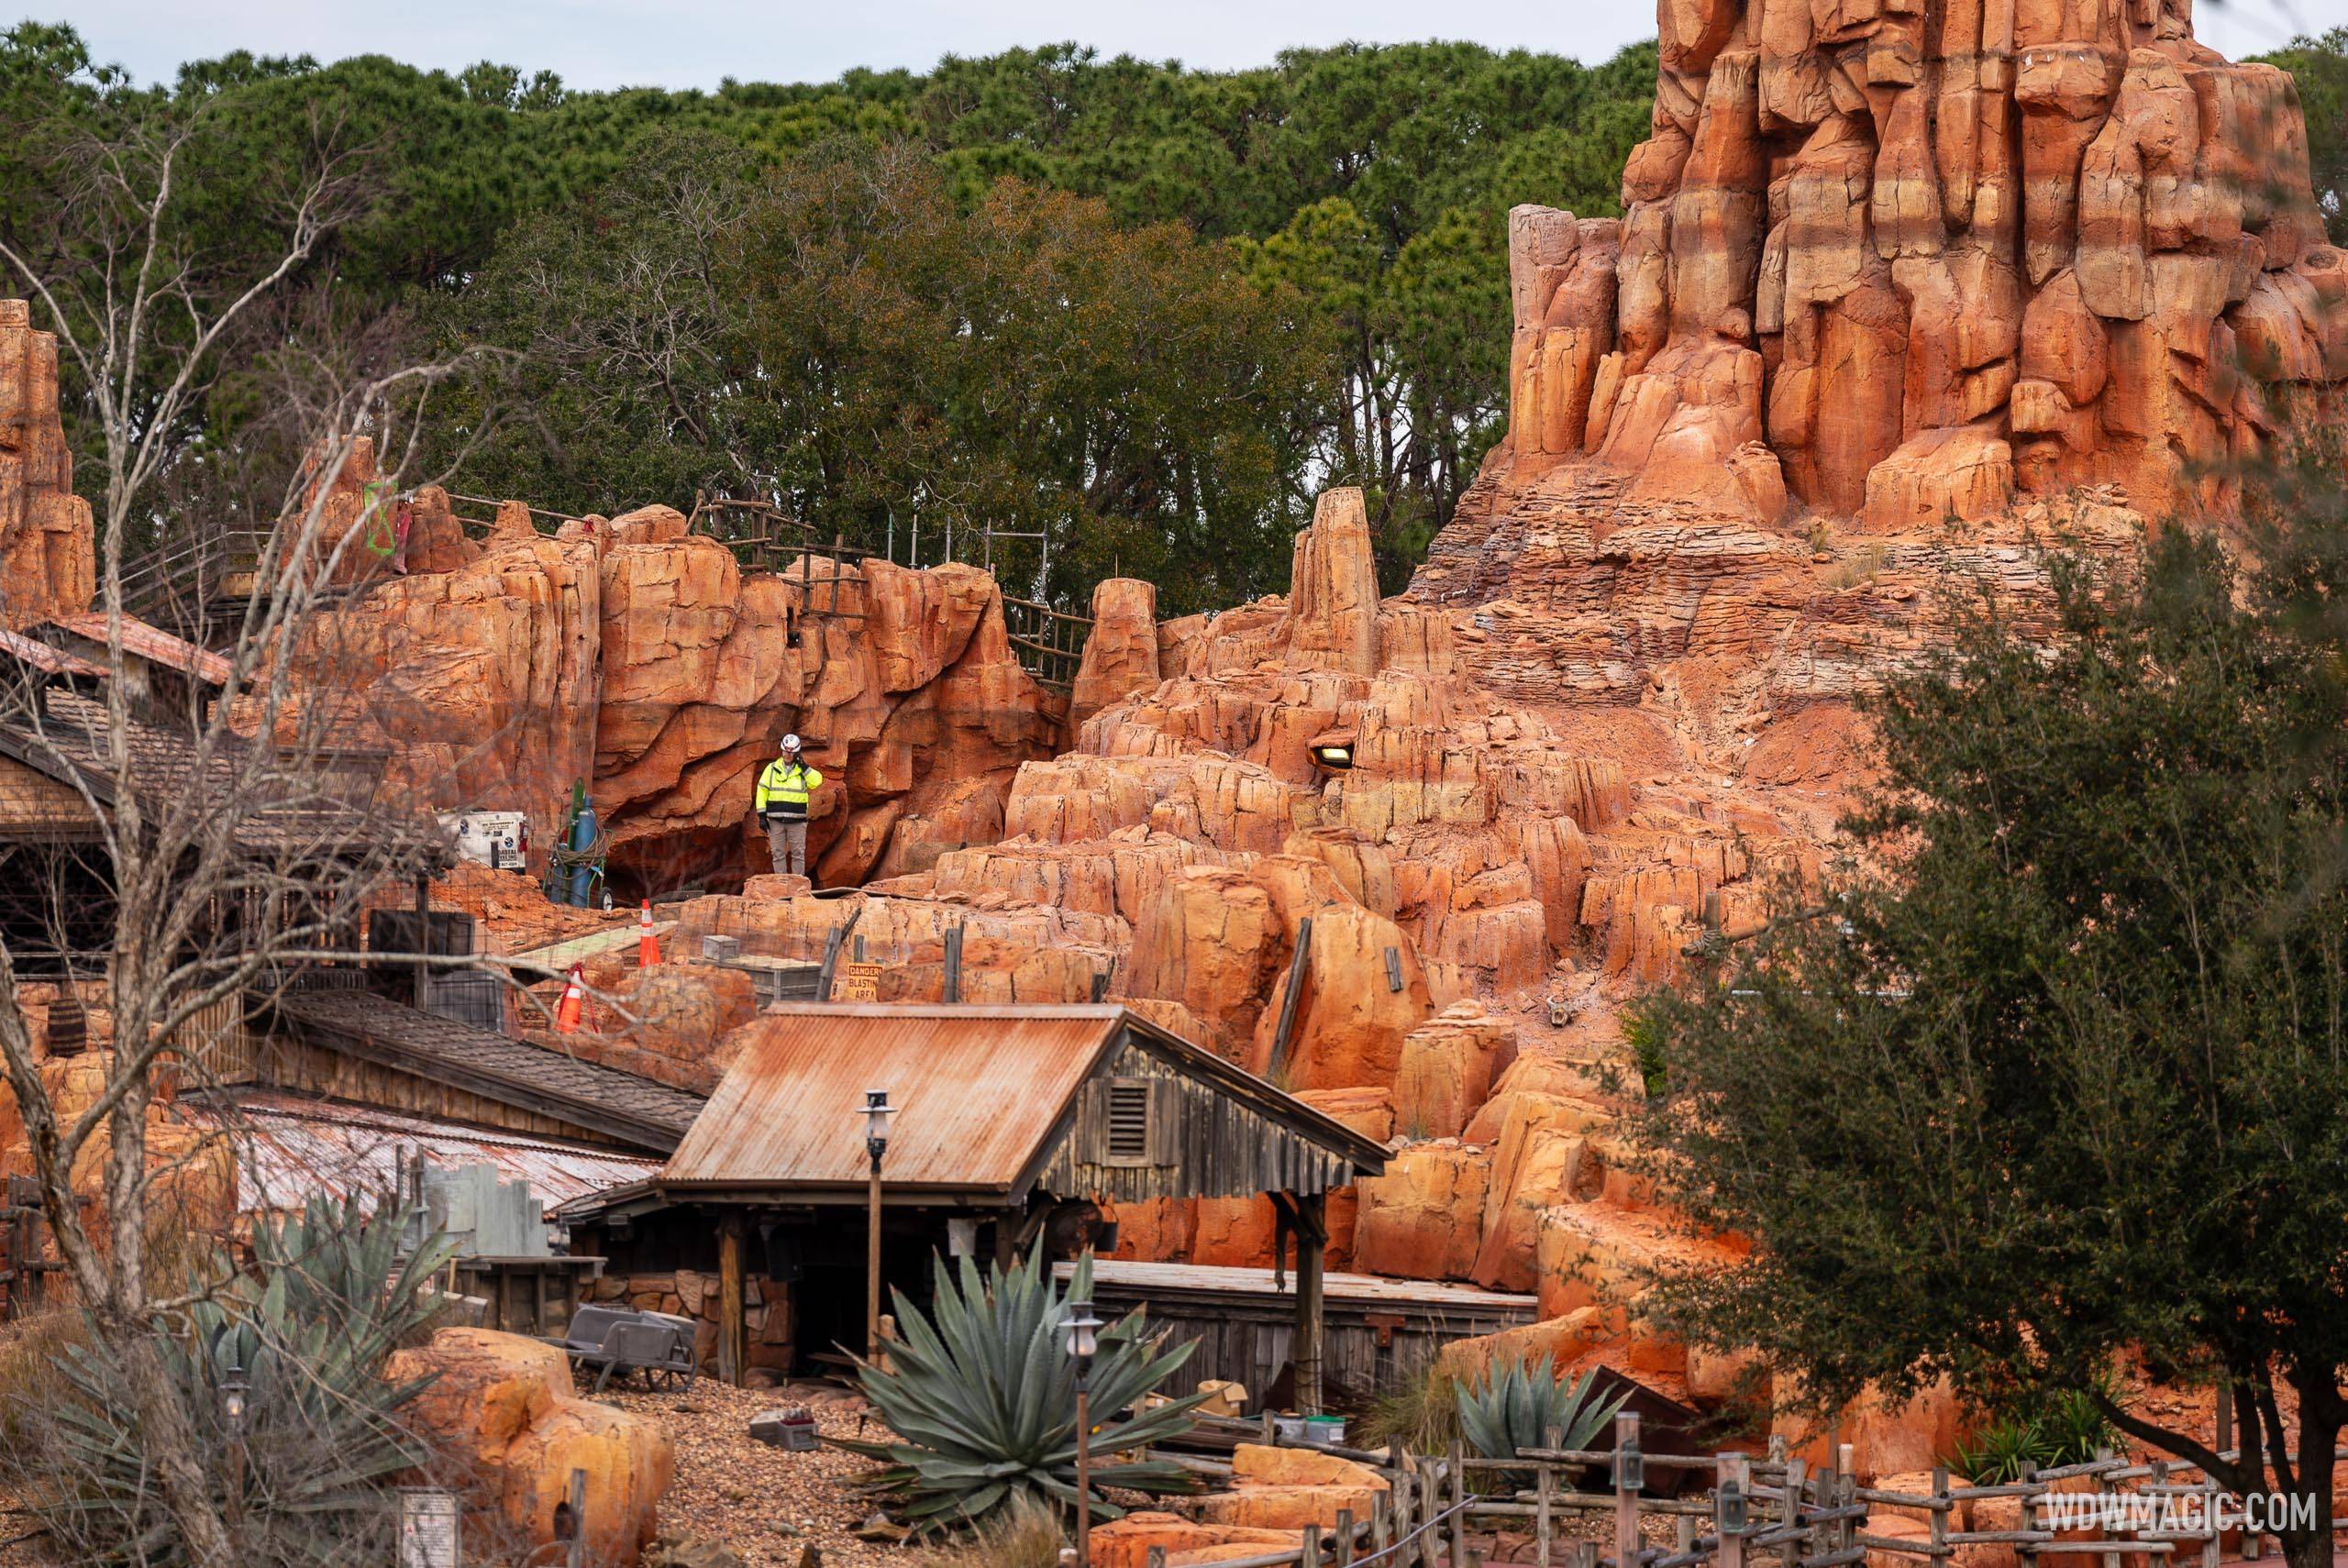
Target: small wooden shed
{"points": [[1005, 1116]]}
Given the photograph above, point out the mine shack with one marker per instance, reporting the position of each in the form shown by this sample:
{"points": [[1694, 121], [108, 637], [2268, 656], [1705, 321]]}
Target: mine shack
{"points": [[1011, 1126]]}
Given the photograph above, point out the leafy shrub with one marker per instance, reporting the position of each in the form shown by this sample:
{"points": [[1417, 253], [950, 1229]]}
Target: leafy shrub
{"points": [[1505, 1410], [308, 1329], [984, 1401], [2068, 1429]]}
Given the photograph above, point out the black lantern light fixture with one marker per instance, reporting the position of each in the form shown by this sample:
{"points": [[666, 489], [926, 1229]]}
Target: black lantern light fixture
{"points": [[876, 1111], [236, 1395], [1731, 1509], [1630, 1463]]}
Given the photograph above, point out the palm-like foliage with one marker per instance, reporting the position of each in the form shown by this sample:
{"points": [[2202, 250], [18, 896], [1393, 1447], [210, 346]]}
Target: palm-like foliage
{"points": [[1506, 1409], [309, 1328], [984, 1401]]}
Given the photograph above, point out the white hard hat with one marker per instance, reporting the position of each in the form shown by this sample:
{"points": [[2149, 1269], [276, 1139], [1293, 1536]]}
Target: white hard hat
{"points": [[791, 743]]}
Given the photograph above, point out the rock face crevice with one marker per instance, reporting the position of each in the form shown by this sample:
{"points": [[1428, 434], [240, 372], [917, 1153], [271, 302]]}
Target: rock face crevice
{"points": [[1900, 263]]}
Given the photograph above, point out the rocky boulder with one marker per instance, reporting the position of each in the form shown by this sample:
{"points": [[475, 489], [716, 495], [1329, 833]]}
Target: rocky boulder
{"points": [[501, 1411]]}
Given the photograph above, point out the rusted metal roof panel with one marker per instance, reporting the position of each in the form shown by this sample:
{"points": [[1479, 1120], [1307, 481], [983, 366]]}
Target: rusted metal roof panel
{"points": [[47, 659], [289, 1147], [977, 1090], [151, 644]]}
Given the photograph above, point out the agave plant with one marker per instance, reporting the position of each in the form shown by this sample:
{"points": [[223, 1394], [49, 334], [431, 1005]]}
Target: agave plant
{"points": [[306, 1331], [983, 1401], [1516, 1407]]}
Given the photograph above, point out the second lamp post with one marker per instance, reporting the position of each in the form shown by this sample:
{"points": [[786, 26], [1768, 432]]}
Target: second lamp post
{"points": [[1083, 1338], [876, 1113]]}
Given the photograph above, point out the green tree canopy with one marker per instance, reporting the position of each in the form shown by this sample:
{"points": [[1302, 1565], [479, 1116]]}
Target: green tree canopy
{"points": [[2065, 1079]]}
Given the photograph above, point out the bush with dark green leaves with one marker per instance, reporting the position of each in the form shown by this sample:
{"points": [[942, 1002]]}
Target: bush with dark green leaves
{"points": [[981, 1393]]}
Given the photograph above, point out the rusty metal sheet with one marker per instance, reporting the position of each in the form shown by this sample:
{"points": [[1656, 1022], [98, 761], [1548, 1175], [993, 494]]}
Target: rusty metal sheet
{"points": [[289, 1147], [152, 644], [41, 656], [977, 1090]]}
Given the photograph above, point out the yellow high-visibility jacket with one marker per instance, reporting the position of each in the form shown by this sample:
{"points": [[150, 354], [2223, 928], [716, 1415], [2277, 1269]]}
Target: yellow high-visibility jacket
{"points": [[783, 788]]}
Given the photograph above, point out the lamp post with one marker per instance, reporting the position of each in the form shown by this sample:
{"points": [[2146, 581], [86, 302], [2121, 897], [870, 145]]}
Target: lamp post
{"points": [[235, 1405], [1083, 1338], [876, 1112]]}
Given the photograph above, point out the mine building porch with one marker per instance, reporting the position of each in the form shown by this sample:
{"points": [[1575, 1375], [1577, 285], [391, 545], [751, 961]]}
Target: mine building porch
{"points": [[1013, 1125]]}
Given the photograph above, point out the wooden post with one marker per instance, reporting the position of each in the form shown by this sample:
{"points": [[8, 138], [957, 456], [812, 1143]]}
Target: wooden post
{"points": [[1345, 1547], [1083, 1470], [1938, 1523], [953, 964], [1458, 1504], [1733, 1467], [733, 1336], [1312, 1238], [872, 1265], [1156, 1557], [1405, 1549], [1381, 1517], [575, 1553], [1545, 1483], [2027, 1550], [1626, 1502], [1289, 1001], [1790, 1505], [1308, 1554], [2225, 1417]]}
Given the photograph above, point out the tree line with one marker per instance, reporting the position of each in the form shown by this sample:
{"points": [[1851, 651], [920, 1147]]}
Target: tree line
{"points": [[1145, 311]]}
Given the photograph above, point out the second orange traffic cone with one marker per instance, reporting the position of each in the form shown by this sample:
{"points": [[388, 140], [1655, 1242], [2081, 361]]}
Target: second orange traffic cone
{"points": [[574, 1001], [647, 946]]}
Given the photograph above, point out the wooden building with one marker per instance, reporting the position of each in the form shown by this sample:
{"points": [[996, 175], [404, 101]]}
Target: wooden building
{"points": [[1011, 1125], [1376, 1333]]}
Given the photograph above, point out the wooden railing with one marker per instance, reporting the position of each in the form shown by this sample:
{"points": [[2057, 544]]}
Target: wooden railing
{"points": [[1048, 643], [1757, 1509]]}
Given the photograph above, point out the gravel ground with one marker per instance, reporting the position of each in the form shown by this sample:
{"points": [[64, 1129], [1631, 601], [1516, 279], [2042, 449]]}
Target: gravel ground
{"points": [[766, 1503]]}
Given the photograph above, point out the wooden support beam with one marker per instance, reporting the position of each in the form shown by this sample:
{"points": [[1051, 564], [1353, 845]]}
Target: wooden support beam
{"points": [[1289, 999], [1311, 1240], [733, 1330]]}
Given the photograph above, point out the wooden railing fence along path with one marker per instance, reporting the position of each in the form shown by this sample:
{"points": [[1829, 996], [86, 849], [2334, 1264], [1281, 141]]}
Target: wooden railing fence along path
{"points": [[1770, 1511]]}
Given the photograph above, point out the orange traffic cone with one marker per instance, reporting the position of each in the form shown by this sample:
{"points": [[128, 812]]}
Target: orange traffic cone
{"points": [[647, 946], [574, 1003]]}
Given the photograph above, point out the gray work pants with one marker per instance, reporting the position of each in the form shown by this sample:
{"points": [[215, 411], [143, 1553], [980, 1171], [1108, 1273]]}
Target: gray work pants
{"points": [[787, 840]]}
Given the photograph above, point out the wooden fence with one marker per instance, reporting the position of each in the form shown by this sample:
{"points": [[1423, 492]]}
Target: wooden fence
{"points": [[1771, 1512]]}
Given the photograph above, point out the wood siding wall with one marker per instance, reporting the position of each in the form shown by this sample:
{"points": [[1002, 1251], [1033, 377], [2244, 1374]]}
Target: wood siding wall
{"points": [[34, 805], [281, 1063], [1248, 1338], [1203, 1143]]}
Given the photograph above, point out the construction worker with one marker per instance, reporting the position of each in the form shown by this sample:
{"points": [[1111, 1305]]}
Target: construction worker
{"points": [[782, 803]]}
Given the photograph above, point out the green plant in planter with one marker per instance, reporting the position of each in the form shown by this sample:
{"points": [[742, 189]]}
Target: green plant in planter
{"points": [[1516, 1406], [982, 1400]]}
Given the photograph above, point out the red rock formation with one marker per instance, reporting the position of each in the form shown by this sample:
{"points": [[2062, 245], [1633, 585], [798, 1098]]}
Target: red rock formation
{"points": [[47, 558], [1903, 263], [644, 659]]}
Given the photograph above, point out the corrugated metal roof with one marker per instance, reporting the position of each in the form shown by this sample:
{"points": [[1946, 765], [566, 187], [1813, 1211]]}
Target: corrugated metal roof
{"points": [[150, 643], [289, 1147], [977, 1090]]}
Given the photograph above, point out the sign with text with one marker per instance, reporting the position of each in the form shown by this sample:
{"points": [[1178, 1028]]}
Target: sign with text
{"points": [[856, 982], [427, 1527]]}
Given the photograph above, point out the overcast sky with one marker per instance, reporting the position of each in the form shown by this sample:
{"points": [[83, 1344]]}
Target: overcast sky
{"points": [[695, 43]]}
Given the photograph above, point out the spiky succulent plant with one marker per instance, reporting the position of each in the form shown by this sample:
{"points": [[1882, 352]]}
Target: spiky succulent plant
{"points": [[982, 1400], [303, 1474], [1507, 1408]]}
